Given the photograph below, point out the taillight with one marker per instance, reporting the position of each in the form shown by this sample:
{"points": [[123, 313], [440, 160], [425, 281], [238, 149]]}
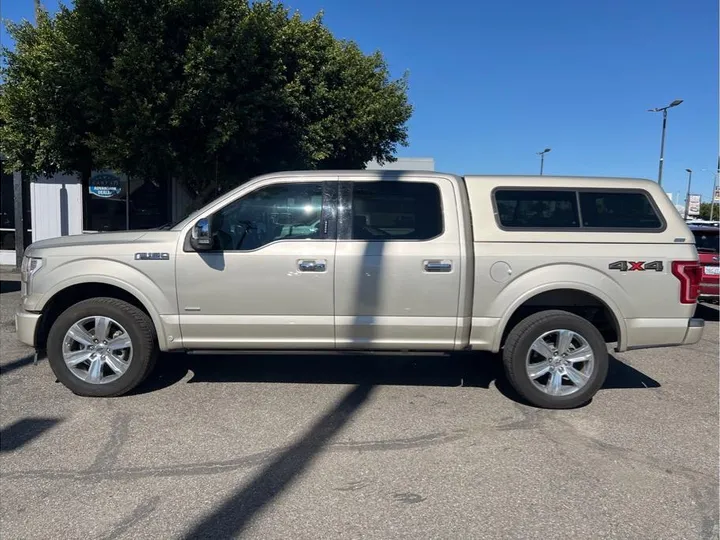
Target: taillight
{"points": [[689, 273]]}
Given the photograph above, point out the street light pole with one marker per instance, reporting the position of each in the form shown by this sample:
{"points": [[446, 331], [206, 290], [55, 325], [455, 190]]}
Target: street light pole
{"points": [[712, 197], [542, 159], [687, 195], [662, 139]]}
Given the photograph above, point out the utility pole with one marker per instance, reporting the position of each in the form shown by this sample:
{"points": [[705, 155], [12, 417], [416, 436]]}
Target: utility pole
{"points": [[687, 195], [664, 110], [715, 183], [542, 159]]}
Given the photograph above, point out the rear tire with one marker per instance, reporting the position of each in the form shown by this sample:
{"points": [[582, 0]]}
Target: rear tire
{"points": [[95, 322], [534, 374]]}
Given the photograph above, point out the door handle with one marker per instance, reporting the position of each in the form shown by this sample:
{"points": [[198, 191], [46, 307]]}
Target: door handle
{"points": [[437, 266], [312, 266]]}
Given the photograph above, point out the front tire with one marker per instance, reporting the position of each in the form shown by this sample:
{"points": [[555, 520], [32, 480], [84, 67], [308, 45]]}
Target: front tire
{"points": [[102, 347], [556, 359]]}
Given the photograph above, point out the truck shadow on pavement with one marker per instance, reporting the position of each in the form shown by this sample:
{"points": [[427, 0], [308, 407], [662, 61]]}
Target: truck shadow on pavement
{"points": [[462, 370], [233, 515]]}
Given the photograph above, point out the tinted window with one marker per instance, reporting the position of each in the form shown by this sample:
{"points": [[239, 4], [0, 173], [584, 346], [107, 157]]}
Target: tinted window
{"points": [[618, 210], [396, 211], [277, 212], [537, 209], [707, 241]]}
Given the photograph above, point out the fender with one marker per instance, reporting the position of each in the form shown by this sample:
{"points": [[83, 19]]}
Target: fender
{"points": [[120, 275], [560, 276]]}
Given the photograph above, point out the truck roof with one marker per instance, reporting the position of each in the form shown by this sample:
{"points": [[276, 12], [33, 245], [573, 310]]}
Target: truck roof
{"points": [[553, 180], [563, 181]]}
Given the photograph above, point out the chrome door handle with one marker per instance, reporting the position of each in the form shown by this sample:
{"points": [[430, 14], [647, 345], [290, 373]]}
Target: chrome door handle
{"points": [[312, 266], [437, 266]]}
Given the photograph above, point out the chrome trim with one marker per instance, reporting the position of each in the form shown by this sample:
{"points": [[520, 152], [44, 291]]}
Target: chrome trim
{"points": [[319, 265], [437, 266]]}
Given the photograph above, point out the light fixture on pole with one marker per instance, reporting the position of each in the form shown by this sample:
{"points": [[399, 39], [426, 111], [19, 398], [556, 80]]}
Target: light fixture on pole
{"points": [[662, 139], [687, 195], [542, 158]]}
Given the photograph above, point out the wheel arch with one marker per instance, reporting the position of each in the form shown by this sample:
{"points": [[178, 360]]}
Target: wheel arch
{"points": [[578, 298], [71, 292]]}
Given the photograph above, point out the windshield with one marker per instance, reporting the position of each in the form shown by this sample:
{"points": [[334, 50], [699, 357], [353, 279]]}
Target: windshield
{"points": [[707, 241]]}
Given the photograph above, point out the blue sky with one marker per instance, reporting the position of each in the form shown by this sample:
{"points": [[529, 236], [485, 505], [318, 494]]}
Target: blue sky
{"points": [[494, 82]]}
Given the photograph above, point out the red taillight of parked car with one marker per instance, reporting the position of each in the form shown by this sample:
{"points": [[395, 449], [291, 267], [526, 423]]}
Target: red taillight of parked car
{"points": [[689, 273]]}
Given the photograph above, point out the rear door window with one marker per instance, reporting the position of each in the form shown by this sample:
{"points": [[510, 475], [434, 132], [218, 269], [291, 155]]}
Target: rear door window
{"points": [[537, 209], [384, 211], [618, 210]]}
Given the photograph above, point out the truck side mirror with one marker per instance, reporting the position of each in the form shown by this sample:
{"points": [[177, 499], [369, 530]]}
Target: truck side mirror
{"points": [[201, 236]]}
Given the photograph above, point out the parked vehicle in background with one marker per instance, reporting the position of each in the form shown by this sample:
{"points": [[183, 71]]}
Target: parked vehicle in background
{"points": [[703, 223], [707, 241], [548, 270]]}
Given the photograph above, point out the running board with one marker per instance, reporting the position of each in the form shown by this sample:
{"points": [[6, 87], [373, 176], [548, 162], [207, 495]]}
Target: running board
{"points": [[304, 352]]}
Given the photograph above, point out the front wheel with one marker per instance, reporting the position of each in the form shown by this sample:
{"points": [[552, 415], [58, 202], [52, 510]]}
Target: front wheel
{"points": [[102, 347], [555, 359]]}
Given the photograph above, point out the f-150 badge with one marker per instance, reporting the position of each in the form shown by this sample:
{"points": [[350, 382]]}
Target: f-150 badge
{"points": [[152, 256]]}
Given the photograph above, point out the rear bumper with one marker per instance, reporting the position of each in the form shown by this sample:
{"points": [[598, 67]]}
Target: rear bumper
{"points": [[26, 324], [649, 333], [694, 332]]}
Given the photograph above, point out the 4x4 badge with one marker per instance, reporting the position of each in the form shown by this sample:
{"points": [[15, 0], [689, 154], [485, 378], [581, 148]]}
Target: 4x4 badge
{"points": [[634, 266]]}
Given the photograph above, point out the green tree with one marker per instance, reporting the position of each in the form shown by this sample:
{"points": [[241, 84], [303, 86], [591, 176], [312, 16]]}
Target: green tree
{"points": [[208, 91], [705, 211]]}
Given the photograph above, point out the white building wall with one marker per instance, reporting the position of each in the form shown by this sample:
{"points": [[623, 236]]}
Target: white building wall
{"points": [[56, 206], [404, 164]]}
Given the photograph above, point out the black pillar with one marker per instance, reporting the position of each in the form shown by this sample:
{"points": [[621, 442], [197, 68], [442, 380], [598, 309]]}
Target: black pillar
{"points": [[19, 217]]}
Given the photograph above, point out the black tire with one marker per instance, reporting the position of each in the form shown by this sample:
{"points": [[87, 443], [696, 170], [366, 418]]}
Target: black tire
{"points": [[139, 327], [521, 338]]}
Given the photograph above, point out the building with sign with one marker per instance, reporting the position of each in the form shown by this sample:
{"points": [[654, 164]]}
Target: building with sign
{"points": [[59, 206], [694, 205]]}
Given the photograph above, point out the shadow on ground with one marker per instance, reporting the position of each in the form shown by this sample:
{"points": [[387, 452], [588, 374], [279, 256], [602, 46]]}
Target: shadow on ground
{"points": [[17, 364], [23, 431], [9, 286], [708, 312], [233, 516], [472, 370]]}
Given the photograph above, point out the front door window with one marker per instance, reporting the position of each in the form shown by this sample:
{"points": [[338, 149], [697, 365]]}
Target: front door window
{"points": [[273, 213]]}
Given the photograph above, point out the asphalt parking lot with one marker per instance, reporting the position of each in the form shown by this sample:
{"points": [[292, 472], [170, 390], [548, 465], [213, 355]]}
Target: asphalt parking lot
{"points": [[369, 447]]}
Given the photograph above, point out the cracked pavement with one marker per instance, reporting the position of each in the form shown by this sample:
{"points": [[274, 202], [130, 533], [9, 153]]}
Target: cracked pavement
{"points": [[373, 447]]}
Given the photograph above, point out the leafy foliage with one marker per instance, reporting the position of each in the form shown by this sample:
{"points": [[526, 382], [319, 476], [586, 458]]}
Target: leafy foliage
{"points": [[705, 211], [202, 90]]}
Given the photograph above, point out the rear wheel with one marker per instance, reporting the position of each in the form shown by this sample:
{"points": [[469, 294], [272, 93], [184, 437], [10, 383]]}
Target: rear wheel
{"points": [[102, 347], [556, 359]]}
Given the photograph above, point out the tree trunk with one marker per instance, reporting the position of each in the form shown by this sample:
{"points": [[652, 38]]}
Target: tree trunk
{"points": [[85, 175]]}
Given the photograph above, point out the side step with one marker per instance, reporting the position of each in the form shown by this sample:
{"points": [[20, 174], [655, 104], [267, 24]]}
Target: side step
{"points": [[305, 352]]}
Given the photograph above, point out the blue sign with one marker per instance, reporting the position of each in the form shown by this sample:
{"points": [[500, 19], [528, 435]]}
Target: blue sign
{"points": [[105, 185]]}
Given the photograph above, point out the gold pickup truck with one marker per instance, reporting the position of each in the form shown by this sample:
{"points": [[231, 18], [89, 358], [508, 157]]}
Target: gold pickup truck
{"points": [[545, 270]]}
